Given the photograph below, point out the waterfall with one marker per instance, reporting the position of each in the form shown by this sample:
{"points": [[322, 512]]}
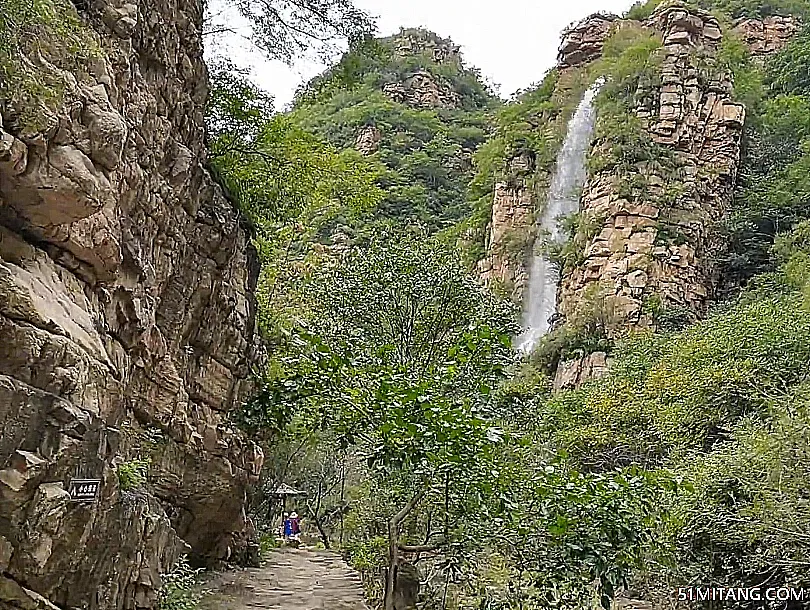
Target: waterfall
{"points": [[563, 199]]}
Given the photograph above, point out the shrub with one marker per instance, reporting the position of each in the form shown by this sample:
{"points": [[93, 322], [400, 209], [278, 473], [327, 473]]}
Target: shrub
{"points": [[38, 40], [132, 474], [178, 589]]}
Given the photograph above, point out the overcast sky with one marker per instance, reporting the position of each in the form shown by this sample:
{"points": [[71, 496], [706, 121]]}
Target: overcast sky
{"points": [[512, 42]]}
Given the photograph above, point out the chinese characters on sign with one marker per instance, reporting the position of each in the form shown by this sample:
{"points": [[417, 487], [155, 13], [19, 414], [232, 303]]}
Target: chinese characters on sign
{"points": [[84, 490]]}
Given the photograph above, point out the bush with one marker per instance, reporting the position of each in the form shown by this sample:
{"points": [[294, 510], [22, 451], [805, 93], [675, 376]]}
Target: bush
{"points": [[132, 474], [643, 10], [670, 394], [38, 40], [178, 589]]}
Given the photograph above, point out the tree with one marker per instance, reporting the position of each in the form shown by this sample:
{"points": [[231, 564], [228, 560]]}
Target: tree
{"points": [[276, 170], [287, 29], [406, 349]]}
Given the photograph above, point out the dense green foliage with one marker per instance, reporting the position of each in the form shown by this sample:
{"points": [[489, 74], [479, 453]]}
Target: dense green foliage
{"points": [[38, 40], [275, 169], [711, 418], [719, 408], [391, 393], [132, 474], [398, 359], [423, 153], [178, 588], [756, 8], [773, 191]]}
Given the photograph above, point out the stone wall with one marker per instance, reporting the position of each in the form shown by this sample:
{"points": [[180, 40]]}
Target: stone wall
{"points": [[127, 319]]}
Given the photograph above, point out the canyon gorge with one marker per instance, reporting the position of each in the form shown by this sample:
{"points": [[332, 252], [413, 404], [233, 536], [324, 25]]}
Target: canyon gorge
{"points": [[515, 352]]}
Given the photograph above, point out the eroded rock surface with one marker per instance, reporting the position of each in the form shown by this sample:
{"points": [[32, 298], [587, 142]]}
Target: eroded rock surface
{"points": [[368, 140], [511, 232], [423, 90], [658, 244], [127, 318], [583, 42], [767, 36], [573, 373]]}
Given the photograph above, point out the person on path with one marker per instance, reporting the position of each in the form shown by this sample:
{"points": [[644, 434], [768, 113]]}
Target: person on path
{"points": [[287, 526], [295, 525]]}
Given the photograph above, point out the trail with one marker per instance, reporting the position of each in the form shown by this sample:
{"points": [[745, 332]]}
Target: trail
{"points": [[291, 579]]}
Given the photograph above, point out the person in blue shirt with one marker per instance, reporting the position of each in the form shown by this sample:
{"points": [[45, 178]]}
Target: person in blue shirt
{"points": [[288, 526]]}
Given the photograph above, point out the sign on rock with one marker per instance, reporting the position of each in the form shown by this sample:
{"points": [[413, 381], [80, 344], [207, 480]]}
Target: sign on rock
{"points": [[84, 490]]}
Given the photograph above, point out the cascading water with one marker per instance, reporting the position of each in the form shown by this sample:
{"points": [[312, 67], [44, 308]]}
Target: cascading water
{"points": [[563, 200]]}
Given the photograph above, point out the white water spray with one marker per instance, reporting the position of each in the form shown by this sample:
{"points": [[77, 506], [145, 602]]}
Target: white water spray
{"points": [[563, 199]]}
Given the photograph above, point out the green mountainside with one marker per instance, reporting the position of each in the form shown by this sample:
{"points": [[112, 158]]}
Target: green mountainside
{"points": [[423, 112], [378, 235]]}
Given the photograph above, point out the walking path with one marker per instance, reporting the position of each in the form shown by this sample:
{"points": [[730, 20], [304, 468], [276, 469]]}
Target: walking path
{"points": [[291, 579]]}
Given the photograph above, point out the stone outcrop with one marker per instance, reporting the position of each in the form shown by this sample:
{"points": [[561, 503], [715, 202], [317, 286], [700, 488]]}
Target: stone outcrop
{"points": [[416, 42], [767, 36], [657, 244], [573, 373], [368, 140], [583, 42], [423, 90], [127, 319], [510, 232]]}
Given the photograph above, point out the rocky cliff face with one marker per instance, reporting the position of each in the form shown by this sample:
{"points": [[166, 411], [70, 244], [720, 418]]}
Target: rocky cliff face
{"points": [[659, 245], [422, 88], [767, 36], [511, 229], [654, 247], [583, 41], [127, 319]]}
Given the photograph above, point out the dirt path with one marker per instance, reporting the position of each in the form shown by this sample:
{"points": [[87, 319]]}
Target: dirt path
{"points": [[291, 579]]}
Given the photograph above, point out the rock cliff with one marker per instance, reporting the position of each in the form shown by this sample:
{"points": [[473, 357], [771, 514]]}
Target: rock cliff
{"points": [[583, 41], [510, 231], [767, 36], [655, 246], [423, 88], [127, 319], [658, 244]]}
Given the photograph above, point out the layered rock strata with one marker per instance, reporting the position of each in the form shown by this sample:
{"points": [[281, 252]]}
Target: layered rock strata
{"points": [[127, 319], [652, 250], [510, 232], [657, 246], [423, 90], [767, 36], [583, 42]]}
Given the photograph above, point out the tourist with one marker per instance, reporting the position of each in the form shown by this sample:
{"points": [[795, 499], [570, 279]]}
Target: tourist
{"points": [[295, 525], [287, 526]]}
